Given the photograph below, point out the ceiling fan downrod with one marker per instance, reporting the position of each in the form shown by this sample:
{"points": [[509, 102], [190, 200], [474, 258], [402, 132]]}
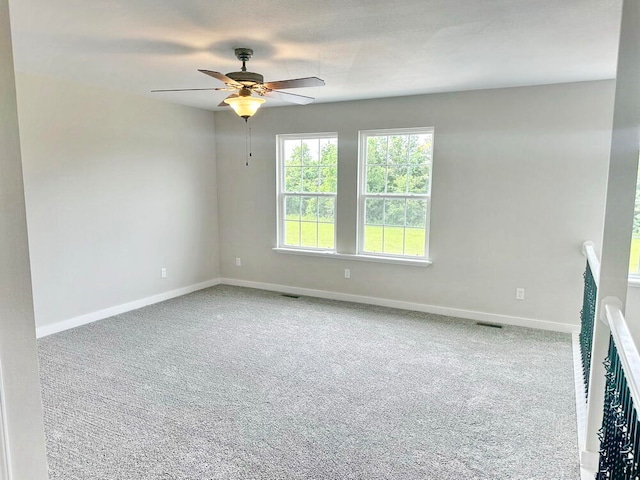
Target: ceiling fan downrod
{"points": [[244, 55]]}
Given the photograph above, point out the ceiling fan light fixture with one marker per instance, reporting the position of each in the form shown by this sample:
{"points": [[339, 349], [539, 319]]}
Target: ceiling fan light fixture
{"points": [[246, 83], [245, 105]]}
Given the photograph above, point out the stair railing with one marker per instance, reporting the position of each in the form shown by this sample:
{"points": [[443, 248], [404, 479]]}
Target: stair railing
{"points": [[588, 312], [620, 431]]}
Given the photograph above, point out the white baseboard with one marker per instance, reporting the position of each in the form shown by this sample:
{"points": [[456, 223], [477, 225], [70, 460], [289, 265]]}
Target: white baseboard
{"points": [[419, 307], [118, 309], [347, 297]]}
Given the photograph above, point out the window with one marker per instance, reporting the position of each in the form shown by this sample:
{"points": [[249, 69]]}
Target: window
{"points": [[307, 181], [395, 192], [393, 188], [634, 259]]}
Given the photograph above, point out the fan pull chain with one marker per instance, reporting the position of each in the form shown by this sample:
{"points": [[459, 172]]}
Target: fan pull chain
{"points": [[248, 143]]}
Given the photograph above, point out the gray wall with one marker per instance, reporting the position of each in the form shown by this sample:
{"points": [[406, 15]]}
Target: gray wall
{"points": [[518, 184], [117, 187], [21, 396]]}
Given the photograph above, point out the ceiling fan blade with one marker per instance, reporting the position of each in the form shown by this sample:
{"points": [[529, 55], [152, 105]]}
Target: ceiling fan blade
{"points": [[289, 97], [295, 83], [222, 104], [185, 89], [222, 77]]}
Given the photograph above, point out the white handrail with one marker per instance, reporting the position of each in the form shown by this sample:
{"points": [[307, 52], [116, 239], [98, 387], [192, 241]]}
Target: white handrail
{"points": [[589, 251], [627, 349]]}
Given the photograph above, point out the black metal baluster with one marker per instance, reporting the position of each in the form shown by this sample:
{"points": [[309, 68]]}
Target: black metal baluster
{"points": [[587, 316], [620, 432]]}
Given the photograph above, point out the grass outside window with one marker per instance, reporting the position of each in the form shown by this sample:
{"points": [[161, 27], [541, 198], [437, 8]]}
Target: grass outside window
{"points": [[321, 235], [634, 259]]}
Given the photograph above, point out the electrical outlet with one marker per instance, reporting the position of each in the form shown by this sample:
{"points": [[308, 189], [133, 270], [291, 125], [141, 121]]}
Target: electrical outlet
{"points": [[347, 273], [519, 293], [163, 273], [238, 262]]}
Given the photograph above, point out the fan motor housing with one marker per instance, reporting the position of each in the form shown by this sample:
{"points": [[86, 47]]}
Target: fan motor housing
{"points": [[246, 78]]}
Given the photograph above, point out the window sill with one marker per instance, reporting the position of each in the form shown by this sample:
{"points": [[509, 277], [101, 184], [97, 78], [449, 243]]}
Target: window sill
{"points": [[634, 281], [349, 256]]}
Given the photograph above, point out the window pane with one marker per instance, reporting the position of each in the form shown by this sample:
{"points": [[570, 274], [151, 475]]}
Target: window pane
{"points": [[292, 179], [398, 149], [377, 150], [292, 153], [292, 208], [292, 233], [634, 259], [413, 154], [394, 240], [376, 179], [416, 213], [425, 145], [374, 211], [328, 179], [310, 151], [419, 179], [310, 178], [414, 241], [326, 235], [397, 179], [309, 222], [328, 165], [373, 239], [329, 151], [297, 153], [326, 207], [394, 212], [309, 234], [309, 208], [419, 149]]}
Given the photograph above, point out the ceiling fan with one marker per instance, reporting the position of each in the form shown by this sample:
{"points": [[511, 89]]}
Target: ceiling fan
{"points": [[245, 83]]}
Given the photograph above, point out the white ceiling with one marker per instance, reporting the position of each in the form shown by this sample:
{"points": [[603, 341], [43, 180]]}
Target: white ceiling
{"points": [[361, 48]]}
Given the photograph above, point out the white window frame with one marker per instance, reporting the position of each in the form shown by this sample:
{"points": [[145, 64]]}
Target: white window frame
{"points": [[363, 195], [280, 193]]}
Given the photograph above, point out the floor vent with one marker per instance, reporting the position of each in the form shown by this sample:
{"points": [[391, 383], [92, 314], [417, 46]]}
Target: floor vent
{"points": [[288, 295], [492, 325]]}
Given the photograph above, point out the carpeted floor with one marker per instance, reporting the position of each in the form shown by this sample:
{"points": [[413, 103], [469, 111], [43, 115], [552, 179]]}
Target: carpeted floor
{"points": [[235, 383]]}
